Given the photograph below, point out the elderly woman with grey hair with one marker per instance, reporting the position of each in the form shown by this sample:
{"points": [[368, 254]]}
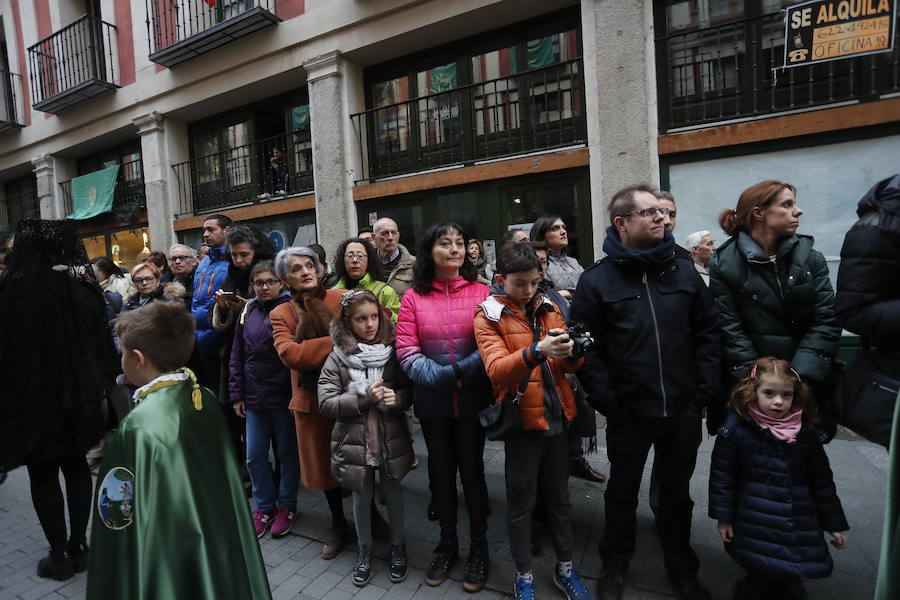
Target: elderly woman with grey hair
{"points": [[301, 329], [701, 245]]}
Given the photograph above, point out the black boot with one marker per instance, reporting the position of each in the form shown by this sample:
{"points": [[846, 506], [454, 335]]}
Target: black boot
{"points": [[362, 572], [78, 554], [476, 567], [445, 555], [56, 565], [399, 565]]}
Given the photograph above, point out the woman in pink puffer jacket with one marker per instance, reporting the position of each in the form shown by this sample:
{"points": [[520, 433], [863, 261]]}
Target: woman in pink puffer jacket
{"points": [[436, 347]]}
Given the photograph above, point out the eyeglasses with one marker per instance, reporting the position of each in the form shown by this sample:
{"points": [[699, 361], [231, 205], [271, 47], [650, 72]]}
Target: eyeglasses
{"points": [[265, 283], [651, 212], [180, 258], [143, 280], [360, 256]]}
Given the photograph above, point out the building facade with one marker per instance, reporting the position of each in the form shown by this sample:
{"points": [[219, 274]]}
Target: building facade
{"points": [[313, 118]]}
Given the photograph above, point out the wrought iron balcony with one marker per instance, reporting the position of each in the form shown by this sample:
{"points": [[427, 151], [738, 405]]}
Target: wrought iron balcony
{"points": [[535, 110], [732, 71], [73, 65], [179, 30], [247, 174], [15, 208], [129, 199], [10, 101]]}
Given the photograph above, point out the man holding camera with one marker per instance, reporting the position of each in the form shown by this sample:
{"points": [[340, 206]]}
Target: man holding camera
{"points": [[655, 363]]}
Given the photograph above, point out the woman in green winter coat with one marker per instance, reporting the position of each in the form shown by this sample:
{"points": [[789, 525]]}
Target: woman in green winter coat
{"points": [[772, 287]]}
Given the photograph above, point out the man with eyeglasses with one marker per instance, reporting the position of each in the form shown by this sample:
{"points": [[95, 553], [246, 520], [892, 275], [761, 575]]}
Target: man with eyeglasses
{"points": [[183, 263], [656, 359]]}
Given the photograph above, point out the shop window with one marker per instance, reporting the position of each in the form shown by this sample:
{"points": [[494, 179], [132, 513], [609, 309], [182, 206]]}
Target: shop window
{"points": [[126, 247]]}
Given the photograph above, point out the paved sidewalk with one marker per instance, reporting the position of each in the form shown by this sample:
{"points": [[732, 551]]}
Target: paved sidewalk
{"points": [[296, 571]]}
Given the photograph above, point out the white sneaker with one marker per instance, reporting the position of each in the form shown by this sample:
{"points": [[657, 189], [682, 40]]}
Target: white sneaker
{"points": [[264, 195]]}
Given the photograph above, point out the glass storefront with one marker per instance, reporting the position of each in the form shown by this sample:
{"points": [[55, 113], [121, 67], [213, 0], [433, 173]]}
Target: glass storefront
{"points": [[126, 247], [487, 210]]}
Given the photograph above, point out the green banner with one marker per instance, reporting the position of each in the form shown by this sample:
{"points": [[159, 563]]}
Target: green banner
{"points": [[92, 194], [300, 117]]}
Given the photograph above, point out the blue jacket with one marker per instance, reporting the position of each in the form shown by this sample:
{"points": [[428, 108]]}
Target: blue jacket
{"points": [[779, 497], [208, 279], [256, 374], [656, 328]]}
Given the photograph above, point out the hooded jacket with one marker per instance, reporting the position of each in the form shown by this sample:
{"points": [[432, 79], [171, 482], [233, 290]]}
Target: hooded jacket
{"points": [[778, 496], [435, 332], [656, 329], [208, 278], [351, 413], [783, 308], [868, 289], [386, 295], [505, 338], [257, 376]]}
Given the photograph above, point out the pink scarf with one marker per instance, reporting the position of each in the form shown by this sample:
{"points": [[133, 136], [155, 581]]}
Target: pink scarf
{"points": [[784, 429]]}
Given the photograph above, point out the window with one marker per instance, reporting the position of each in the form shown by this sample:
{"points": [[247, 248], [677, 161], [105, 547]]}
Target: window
{"points": [[496, 101], [497, 94], [392, 121]]}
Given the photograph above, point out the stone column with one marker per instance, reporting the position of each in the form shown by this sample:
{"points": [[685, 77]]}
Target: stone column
{"points": [[335, 153], [620, 97], [50, 201], [154, 158]]}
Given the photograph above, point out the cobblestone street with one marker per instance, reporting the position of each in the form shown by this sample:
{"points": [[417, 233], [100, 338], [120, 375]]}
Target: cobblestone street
{"points": [[296, 570]]}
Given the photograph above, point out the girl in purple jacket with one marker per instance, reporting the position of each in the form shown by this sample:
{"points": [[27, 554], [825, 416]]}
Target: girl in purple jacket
{"points": [[436, 347], [260, 389]]}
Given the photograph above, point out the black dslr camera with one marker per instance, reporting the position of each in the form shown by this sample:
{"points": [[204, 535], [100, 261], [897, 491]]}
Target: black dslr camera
{"points": [[581, 343]]}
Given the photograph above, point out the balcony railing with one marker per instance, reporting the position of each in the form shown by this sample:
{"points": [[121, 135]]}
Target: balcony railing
{"points": [[129, 198], [179, 30], [535, 110], [247, 174], [728, 71], [73, 65], [15, 208], [10, 101]]}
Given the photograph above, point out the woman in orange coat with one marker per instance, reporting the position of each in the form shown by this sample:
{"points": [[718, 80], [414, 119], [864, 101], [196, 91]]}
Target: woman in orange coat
{"points": [[303, 342]]}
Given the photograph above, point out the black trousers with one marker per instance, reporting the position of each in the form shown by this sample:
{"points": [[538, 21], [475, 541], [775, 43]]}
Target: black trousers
{"points": [[675, 441], [532, 464], [47, 497], [457, 445]]}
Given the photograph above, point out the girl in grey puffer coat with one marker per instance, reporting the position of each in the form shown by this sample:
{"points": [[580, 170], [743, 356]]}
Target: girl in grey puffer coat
{"points": [[363, 388]]}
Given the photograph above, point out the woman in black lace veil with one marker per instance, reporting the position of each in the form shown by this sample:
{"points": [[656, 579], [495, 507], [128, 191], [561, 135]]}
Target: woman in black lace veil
{"points": [[56, 362]]}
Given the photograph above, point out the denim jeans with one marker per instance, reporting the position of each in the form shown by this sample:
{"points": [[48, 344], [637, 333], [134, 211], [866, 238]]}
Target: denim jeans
{"points": [[263, 428]]}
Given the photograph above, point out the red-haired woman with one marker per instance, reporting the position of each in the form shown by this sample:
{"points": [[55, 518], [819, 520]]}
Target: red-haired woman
{"points": [[772, 287]]}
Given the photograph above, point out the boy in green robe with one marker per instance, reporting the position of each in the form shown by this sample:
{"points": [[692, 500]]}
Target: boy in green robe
{"points": [[172, 520]]}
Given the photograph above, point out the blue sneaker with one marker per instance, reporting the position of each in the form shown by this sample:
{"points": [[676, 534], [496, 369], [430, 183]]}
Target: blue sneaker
{"points": [[524, 589], [572, 587]]}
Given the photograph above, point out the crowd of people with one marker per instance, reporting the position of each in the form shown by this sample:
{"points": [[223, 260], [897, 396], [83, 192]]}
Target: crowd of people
{"points": [[319, 366]]}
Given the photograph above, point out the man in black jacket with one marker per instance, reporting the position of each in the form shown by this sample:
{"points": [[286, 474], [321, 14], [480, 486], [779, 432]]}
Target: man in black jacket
{"points": [[655, 363]]}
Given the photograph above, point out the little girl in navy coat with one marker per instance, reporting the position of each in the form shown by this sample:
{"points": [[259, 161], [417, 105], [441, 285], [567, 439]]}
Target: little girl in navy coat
{"points": [[771, 487]]}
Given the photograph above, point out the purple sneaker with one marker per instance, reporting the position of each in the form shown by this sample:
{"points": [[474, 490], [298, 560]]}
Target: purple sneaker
{"points": [[284, 521], [261, 522]]}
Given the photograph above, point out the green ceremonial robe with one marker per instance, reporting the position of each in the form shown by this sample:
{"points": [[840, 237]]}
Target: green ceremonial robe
{"points": [[171, 519]]}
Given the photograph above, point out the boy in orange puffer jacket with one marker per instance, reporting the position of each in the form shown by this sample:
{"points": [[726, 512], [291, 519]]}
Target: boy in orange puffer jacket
{"points": [[522, 339]]}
